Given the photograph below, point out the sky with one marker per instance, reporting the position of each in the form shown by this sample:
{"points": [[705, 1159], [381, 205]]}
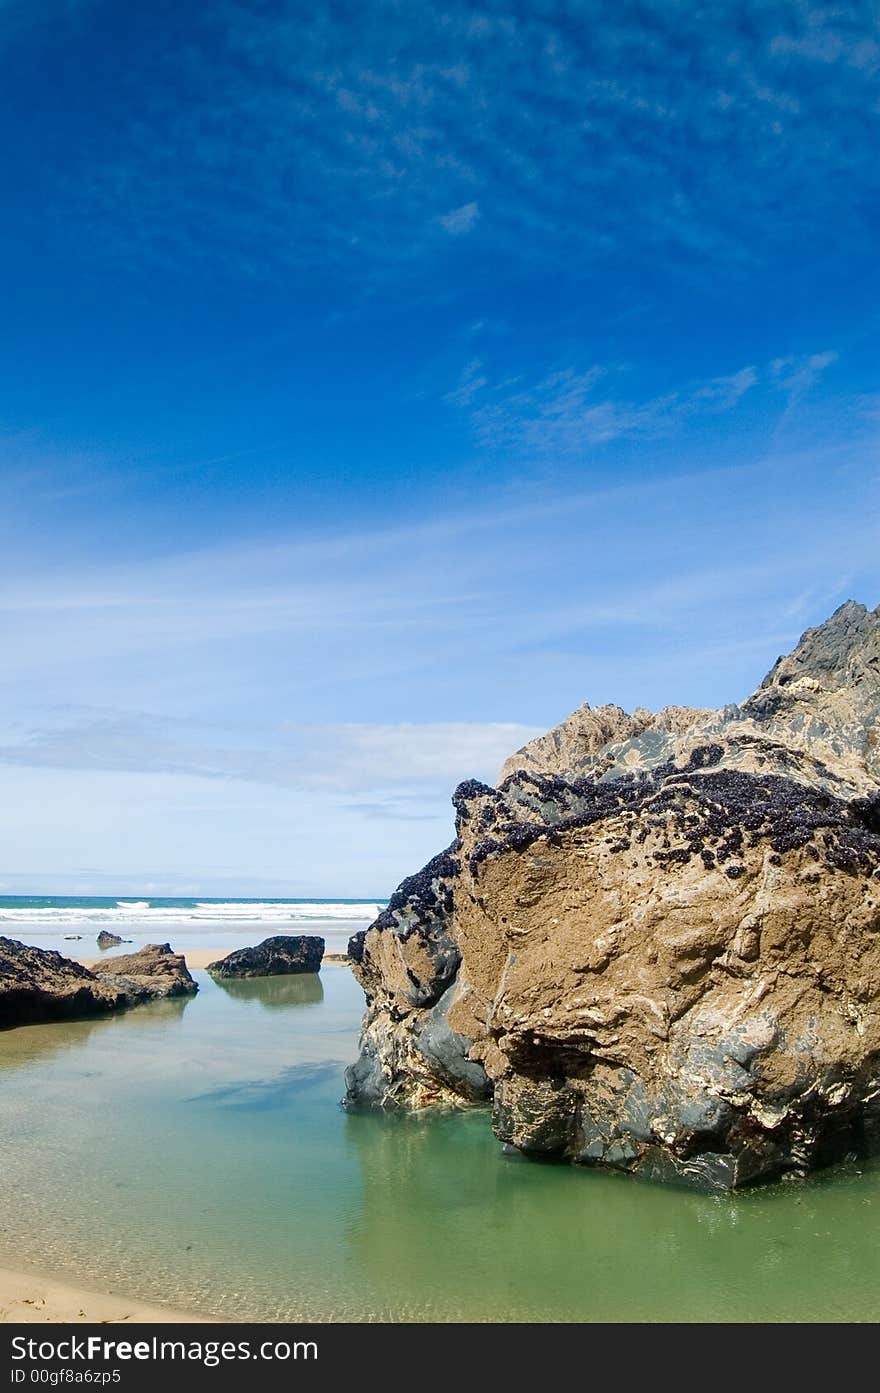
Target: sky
{"points": [[380, 382]]}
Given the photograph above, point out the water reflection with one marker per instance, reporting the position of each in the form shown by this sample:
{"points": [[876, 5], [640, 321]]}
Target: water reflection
{"points": [[275, 993], [445, 1215], [26, 1044]]}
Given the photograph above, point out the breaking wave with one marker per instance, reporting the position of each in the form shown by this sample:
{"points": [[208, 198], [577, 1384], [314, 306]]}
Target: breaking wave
{"points": [[53, 913]]}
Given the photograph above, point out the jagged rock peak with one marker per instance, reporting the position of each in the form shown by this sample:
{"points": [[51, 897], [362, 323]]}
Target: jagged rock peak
{"points": [[814, 717], [838, 650], [825, 695], [844, 652], [575, 745]]}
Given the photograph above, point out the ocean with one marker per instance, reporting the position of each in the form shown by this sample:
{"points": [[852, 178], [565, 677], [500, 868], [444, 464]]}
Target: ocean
{"points": [[69, 923]]}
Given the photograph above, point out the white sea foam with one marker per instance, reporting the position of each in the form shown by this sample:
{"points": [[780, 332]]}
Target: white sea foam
{"points": [[233, 909], [201, 912]]}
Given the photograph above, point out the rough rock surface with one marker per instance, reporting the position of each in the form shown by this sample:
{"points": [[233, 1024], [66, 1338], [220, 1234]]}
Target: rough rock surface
{"points": [[655, 945], [36, 985], [574, 746], [284, 953], [152, 972]]}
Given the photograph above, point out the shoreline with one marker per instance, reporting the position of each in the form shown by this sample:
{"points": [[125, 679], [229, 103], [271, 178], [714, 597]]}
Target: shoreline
{"points": [[31, 1298], [196, 958]]}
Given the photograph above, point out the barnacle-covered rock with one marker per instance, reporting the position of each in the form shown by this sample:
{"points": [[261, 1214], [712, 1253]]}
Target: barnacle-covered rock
{"points": [[279, 956], [665, 959]]}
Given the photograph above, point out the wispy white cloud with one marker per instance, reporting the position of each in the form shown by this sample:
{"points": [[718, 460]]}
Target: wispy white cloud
{"points": [[319, 686], [567, 411], [797, 375], [723, 393], [97, 802], [471, 382], [74, 831], [460, 220], [345, 757], [418, 620]]}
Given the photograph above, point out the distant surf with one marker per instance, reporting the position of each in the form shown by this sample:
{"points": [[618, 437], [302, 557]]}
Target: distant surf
{"points": [[51, 912]]}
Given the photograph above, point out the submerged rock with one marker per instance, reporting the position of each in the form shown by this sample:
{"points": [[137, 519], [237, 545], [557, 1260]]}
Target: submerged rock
{"points": [[108, 940], [36, 985], [664, 957], [285, 953]]}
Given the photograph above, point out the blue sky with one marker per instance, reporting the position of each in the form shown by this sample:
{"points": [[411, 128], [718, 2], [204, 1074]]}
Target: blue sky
{"points": [[381, 382]]}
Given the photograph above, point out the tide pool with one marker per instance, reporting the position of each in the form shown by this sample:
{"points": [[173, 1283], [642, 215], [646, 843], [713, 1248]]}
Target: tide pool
{"points": [[195, 1154]]}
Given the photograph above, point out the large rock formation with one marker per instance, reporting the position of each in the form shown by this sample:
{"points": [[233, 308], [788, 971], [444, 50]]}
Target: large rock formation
{"points": [[36, 985], [655, 945], [152, 972], [282, 954]]}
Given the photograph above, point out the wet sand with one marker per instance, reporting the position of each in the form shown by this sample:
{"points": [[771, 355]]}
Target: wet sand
{"points": [[27, 1298]]}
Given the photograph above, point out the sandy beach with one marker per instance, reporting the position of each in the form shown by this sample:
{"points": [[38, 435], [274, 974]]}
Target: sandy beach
{"points": [[196, 958], [27, 1298]]}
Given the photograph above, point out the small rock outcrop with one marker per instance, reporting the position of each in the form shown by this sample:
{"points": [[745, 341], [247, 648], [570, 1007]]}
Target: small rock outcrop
{"points": [[36, 985], [108, 940], [152, 972], [283, 954], [655, 944]]}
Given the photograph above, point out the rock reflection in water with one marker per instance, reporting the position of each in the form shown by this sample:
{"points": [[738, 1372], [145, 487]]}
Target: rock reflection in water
{"points": [[451, 1229], [27, 1044], [275, 993]]}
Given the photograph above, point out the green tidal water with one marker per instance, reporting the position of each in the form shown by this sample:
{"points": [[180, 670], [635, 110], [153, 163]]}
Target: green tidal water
{"points": [[196, 1154]]}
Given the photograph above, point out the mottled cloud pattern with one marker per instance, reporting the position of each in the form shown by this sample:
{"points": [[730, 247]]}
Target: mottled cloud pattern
{"points": [[303, 135]]}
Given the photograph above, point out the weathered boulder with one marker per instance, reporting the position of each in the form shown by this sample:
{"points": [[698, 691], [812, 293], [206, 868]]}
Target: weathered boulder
{"points": [[667, 958], [36, 985], [284, 953], [108, 940], [152, 972]]}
